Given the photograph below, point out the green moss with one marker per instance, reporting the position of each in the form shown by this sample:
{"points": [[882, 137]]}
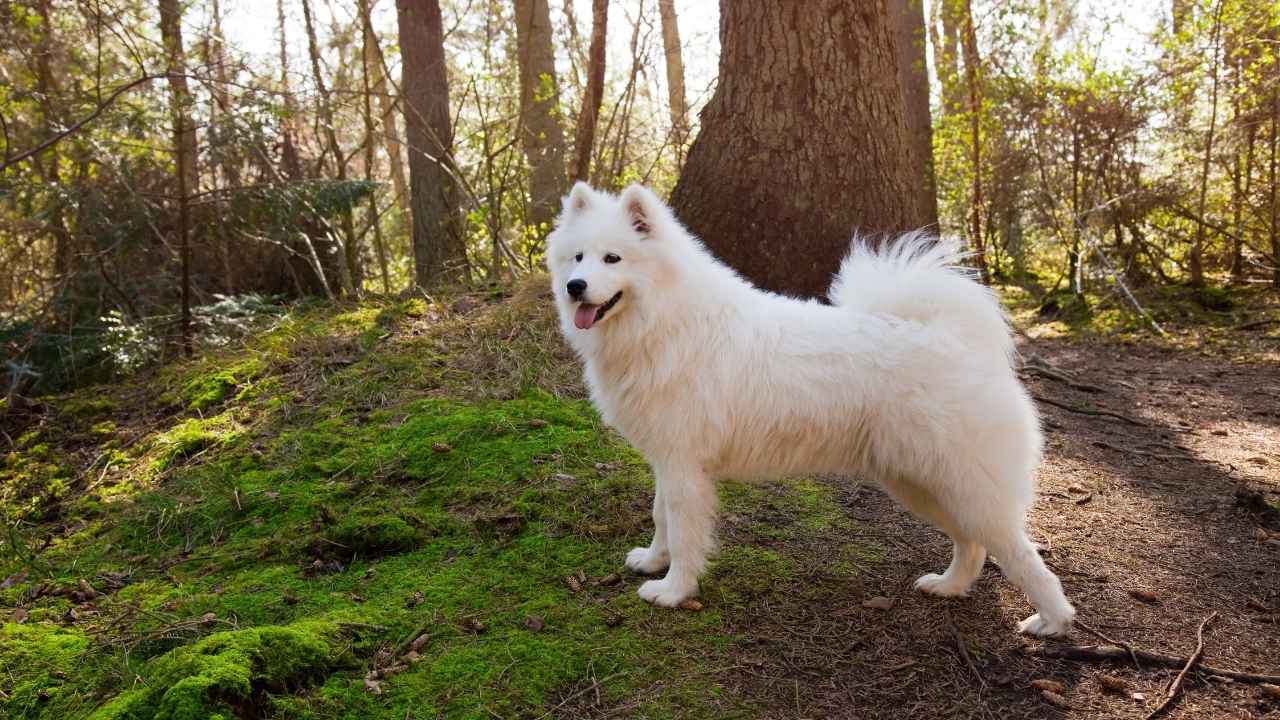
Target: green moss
{"points": [[87, 408], [190, 437], [205, 391], [37, 662], [372, 535], [227, 671]]}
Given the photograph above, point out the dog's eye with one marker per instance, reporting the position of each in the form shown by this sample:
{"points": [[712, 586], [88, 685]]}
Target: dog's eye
{"points": [[611, 258], [577, 258]]}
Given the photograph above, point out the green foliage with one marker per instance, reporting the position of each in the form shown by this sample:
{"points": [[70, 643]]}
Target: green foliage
{"points": [[226, 672]]}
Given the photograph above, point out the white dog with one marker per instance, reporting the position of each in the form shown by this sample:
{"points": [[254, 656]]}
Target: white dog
{"points": [[905, 378]]}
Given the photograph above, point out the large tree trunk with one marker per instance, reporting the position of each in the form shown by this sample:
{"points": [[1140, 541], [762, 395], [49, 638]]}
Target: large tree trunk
{"points": [[913, 76], [438, 251], [184, 137], [802, 143], [676, 97], [589, 116], [540, 131]]}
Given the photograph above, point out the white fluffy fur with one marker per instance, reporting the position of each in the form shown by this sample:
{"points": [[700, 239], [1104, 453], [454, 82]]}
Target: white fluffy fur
{"points": [[904, 379]]}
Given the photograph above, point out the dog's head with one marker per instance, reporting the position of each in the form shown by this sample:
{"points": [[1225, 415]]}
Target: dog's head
{"points": [[606, 255]]}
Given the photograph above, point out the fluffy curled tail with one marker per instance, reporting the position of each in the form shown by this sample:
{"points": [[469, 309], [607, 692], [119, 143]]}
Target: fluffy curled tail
{"points": [[917, 277]]}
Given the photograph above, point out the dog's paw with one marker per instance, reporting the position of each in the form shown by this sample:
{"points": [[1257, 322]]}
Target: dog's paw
{"points": [[1040, 627], [940, 585], [646, 562], [664, 593]]}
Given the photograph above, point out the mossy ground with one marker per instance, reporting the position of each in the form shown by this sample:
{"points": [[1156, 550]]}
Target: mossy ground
{"points": [[264, 533]]}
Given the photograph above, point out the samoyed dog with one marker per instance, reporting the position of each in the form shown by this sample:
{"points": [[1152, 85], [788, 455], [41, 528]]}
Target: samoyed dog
{"points": [[905, 378]]}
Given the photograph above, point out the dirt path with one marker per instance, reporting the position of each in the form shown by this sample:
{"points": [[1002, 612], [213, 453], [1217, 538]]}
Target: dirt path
{"points": [[1124, 508]]}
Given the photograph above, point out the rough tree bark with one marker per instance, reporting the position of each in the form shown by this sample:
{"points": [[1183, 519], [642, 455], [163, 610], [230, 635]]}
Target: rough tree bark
{"points": [[540, 131], [184, 137], [676, 97], [913, 76], [801, 144], [589, 116], [438, 251]]}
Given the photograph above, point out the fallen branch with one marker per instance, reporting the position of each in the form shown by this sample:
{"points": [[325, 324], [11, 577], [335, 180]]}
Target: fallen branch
{"points": [[1088, 411], [1144, 453], [1039, 367], [1101, 653], [1176, 685], [1255, 324], [1099, 634]]}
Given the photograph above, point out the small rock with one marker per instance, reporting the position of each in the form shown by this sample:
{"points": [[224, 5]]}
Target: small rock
{"points": [[533, 623], [373, 686], [1145, 596], [1052, 686], [1110, 683], [441, 448], [606, 467], [878, 602], [419, 643], [1054, 698], [20, 615], [1271, 691], [610, 579], [692, 605], [537, 423], [208, 618]]}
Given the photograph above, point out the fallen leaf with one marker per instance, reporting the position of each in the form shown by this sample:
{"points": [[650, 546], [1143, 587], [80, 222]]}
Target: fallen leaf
{"points": [[610, 579], [574, 585], [20, 615], [878, 602], [1271, 691], [537, 423], [691, 605], [1261, 535], [564, 478], [13, 579], [1110, 683], [419, 642], [1145, 596], [441, 448], [533, 623], [1055, 699], [1048, 685]]}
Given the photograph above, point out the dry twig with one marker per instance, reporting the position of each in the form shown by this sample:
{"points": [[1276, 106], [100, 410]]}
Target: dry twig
{"points": [[1176, 685], [1088, 411]]}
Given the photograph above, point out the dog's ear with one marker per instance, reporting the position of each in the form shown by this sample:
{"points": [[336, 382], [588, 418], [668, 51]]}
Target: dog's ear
{"points": [[579, 198], [643, 208]]}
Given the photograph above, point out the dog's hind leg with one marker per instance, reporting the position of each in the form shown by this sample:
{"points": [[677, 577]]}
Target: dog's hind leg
{"points": [[1021, 563], [655, 558], [689, 497], [966, 565]]}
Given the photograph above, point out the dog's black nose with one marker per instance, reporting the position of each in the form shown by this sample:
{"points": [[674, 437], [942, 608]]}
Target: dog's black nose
{"points": [[576, 288]]}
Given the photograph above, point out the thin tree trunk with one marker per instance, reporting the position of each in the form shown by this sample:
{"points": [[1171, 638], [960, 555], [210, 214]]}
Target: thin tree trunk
{"points": [[801, 144], [589, 116], [370, 142], [184, 140], [1074, 271], [387, 117], [676, 97], [972, 79], [51, 121], [540, 131], [946, 55], [349, 271], [289, 147], [438, 251], [1196, 260], [913, 77], [1274, 227]]}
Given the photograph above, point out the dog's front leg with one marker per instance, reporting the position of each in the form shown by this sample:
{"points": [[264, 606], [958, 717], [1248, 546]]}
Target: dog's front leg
{"points": [[689, 498], [655, 558]]}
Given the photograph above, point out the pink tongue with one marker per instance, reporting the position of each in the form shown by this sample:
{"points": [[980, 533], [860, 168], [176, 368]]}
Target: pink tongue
{"points": [[585, 316]]}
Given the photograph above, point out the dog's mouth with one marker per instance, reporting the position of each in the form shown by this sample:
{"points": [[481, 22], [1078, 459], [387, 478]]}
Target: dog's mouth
{"points": [[587, 314]]}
